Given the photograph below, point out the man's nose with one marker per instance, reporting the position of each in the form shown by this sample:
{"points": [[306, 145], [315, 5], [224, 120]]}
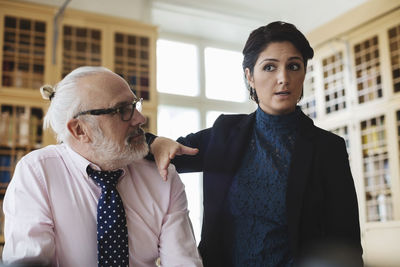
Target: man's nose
{"points": [[138, 118]]}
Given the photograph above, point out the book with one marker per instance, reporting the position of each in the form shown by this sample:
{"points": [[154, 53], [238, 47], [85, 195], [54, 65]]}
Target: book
{"points": [[23, 127], [5, 164], [4, 127]]}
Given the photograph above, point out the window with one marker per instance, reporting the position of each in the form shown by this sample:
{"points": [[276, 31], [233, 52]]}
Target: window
{"points": [[333, 83], [307, 102], [177, 68], [368, 75], [192, 95], [394, 47], [398, 129], [174, 122], [376, 170], [224, 75]]}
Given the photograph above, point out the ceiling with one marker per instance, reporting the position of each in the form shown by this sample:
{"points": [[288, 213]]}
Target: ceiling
{"points": [[232, 20], [307, 14], [229, 21]]}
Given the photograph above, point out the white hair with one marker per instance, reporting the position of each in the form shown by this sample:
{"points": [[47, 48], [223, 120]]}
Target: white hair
{"points": [[66, 102]]}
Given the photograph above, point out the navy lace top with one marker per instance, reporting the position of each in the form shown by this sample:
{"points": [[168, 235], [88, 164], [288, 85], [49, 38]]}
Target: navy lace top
{"points": [[257, 197]]}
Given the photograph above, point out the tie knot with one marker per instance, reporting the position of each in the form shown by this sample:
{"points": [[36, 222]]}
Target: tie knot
{"points": [[105, 179]]}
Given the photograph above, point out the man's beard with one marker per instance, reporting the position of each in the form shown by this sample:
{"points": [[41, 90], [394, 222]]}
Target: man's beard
{"points": [[112, 155]]}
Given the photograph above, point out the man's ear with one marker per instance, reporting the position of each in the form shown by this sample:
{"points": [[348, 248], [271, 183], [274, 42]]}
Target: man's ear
{"points": [[249, 77], [78, 130]]}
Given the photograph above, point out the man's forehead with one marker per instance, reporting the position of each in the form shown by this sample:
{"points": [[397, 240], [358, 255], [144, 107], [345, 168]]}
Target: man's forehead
{"points": [[106, 89]]}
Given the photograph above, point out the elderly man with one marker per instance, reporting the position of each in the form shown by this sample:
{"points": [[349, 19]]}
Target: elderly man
{"points": [[93, 200]]}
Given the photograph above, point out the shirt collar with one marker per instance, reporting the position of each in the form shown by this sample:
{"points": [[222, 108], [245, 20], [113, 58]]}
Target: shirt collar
{"points": [[282, 123]]}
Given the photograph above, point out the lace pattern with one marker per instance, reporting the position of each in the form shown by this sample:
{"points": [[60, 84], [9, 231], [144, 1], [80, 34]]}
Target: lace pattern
{"points": [[257, 197]]}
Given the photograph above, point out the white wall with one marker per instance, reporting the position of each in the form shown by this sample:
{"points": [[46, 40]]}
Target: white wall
{"points": [[130, 9]]}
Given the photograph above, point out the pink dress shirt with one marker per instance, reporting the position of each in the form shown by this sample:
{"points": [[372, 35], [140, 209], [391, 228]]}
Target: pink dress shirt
{"points": [[50, 213]]}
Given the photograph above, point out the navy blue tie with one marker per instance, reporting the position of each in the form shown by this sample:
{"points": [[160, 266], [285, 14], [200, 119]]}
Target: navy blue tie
{"points": [[112, 233]]}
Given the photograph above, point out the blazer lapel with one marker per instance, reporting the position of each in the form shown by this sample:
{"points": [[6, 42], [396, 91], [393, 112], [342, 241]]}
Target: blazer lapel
{"points": [[298, 175], [226, 158], [237, 143]]}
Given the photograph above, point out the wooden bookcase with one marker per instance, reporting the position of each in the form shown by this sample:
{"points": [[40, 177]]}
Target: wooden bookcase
{"points": [[30, 57]]}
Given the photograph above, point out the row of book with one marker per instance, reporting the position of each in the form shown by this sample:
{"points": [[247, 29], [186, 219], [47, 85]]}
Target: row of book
{"points": [[1, 228], [5, 168], [20, 126]]}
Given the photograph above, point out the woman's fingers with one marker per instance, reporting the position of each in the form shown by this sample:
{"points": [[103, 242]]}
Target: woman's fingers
{"points": [[185, 150], [165, 149]]}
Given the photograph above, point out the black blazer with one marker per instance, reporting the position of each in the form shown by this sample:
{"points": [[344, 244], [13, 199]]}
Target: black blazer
{"points": [[322, 210]]}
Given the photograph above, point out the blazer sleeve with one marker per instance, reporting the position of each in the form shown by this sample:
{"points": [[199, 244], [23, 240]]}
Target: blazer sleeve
{"points": [[194, 163], [212, 143]]}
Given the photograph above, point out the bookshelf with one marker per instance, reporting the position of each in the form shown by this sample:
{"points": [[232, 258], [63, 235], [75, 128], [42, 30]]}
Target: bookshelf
{"points": [[20, 132], [29, 58]]}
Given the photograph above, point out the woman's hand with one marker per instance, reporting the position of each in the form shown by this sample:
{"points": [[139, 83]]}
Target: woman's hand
{"points": [[165, 149]]}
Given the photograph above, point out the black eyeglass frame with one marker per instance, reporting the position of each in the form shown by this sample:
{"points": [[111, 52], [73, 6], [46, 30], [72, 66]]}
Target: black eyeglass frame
{"points": [[112, 111]]}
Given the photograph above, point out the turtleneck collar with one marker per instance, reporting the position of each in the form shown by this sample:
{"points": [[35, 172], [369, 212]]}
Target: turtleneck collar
{"points": [[284, 122]]}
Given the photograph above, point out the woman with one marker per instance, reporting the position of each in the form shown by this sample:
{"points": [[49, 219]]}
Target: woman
{"points": [[278, 190]]}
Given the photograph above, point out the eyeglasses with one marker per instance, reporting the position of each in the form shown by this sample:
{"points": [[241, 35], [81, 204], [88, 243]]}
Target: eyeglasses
{"points": [[126, 111]]}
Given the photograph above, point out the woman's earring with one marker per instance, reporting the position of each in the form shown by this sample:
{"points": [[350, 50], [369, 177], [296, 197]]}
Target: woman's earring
{"points": [[302, 94], [253, 94]]}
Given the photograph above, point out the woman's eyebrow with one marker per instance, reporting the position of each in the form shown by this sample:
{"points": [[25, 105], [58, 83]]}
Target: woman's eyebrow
{"points": [[296, 57], [268, 59], [276, 60]]}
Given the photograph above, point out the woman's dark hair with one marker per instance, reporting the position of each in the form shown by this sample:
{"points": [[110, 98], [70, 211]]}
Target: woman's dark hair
{"points": [[260, 38]]}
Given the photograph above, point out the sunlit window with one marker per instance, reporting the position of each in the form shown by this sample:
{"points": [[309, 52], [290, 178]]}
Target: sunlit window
{"points": [[177, 68], [307, 102], [394, 45], [377, 180], [367, 66], [174, 122], [188, 91], [224, 75], [334, 89]]}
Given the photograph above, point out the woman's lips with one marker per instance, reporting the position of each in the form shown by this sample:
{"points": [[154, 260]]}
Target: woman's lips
{"points": [[283, 93]]}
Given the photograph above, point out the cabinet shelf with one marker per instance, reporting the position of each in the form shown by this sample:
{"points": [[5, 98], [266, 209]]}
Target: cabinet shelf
{"points": [[127, 47]]}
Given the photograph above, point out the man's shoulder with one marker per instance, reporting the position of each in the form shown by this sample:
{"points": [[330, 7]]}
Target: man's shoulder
{"points": [[149, 166], [148, 169], [143, 164], [38, 164], [50, 151]]}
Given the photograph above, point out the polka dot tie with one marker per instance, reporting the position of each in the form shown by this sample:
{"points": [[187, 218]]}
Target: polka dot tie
{"points": [[112, 233]]}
